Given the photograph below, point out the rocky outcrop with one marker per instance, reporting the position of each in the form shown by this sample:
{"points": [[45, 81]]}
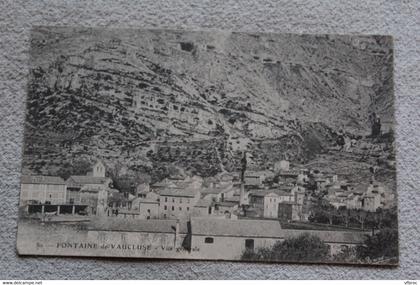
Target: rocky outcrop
{"points": [[118, 95]]}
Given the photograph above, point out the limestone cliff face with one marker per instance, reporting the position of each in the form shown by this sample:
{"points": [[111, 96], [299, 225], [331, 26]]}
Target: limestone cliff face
{"points": [[121, 94]]}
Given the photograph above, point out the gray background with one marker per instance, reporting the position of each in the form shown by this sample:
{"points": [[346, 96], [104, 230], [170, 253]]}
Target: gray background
{"points": [[398, 18]]}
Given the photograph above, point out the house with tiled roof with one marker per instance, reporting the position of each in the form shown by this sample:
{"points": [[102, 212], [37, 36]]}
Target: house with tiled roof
{"points": [[226, 208], [92, 189], [203, 208], [145, 207], [178, 201], [257, 177], [276, 203]]}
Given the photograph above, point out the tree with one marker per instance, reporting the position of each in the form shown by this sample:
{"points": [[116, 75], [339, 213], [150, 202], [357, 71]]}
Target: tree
{"points": [[305, 247], [383, 244], [127, 180], [345, 215], [361, 218], [78, 167]]}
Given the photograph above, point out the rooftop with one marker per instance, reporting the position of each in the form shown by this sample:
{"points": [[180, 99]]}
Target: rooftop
{"points": [[241, 228], [255, 173], [203, 203], [217, 190], [269, 229], [147, 201], [288, 173], [263, 193], [134, 225], [227, 204], [53, 180], [178, 192], [82, 179]]}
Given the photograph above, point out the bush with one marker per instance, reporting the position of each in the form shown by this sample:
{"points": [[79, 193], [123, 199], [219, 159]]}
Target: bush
{"points": [[383, 244], [304, 248]]}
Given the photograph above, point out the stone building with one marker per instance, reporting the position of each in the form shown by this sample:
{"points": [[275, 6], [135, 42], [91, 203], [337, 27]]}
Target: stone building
{"points": [[177, 202], [229, 239], [42, 190], [94, 180]]}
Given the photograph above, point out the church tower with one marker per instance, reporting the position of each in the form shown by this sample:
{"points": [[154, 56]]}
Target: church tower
{"points": [[98, 169]]}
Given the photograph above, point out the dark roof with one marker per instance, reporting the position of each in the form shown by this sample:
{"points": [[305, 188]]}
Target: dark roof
{"points": [[217, 190], [90, 190], [202, 203], [148, 201], [288, 173], [178, 192], [227, 204], [161, 184], [133, 225], [53, 180], [82, 179], [263, 193]]}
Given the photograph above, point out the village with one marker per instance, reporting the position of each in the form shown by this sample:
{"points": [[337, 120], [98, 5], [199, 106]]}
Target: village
{"points": [[259, 207], [278, 194]]}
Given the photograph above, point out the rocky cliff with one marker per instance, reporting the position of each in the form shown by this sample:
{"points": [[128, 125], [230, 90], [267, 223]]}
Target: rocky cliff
{"points": [[127, 94]]}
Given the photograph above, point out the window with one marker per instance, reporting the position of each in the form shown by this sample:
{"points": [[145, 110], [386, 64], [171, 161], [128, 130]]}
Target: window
{"points": [[173, 200], [249, 244], [208, 240], [188, 208], [180, 200], [165, 207], [173, 208], [188, 201], [166, 199], [164, 216], [148, 210], [180, 208]]}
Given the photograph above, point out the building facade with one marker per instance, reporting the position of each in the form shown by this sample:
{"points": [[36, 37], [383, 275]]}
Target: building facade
{"points": [[177, 203], [42, 190]]}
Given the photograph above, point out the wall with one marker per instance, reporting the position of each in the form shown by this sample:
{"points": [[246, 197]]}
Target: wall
{"points": [[227, 247], [233, 247], [397, 18], [55, 194]]}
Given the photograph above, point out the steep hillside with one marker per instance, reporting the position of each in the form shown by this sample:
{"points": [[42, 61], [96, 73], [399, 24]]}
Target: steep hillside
{"points": [[120, 95]]}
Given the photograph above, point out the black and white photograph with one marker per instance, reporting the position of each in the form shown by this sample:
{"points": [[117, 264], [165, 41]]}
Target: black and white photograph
{"points": [[209, 144]]}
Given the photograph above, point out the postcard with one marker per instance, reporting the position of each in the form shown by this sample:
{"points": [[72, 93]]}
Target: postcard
{"points": [[213, 145]]}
